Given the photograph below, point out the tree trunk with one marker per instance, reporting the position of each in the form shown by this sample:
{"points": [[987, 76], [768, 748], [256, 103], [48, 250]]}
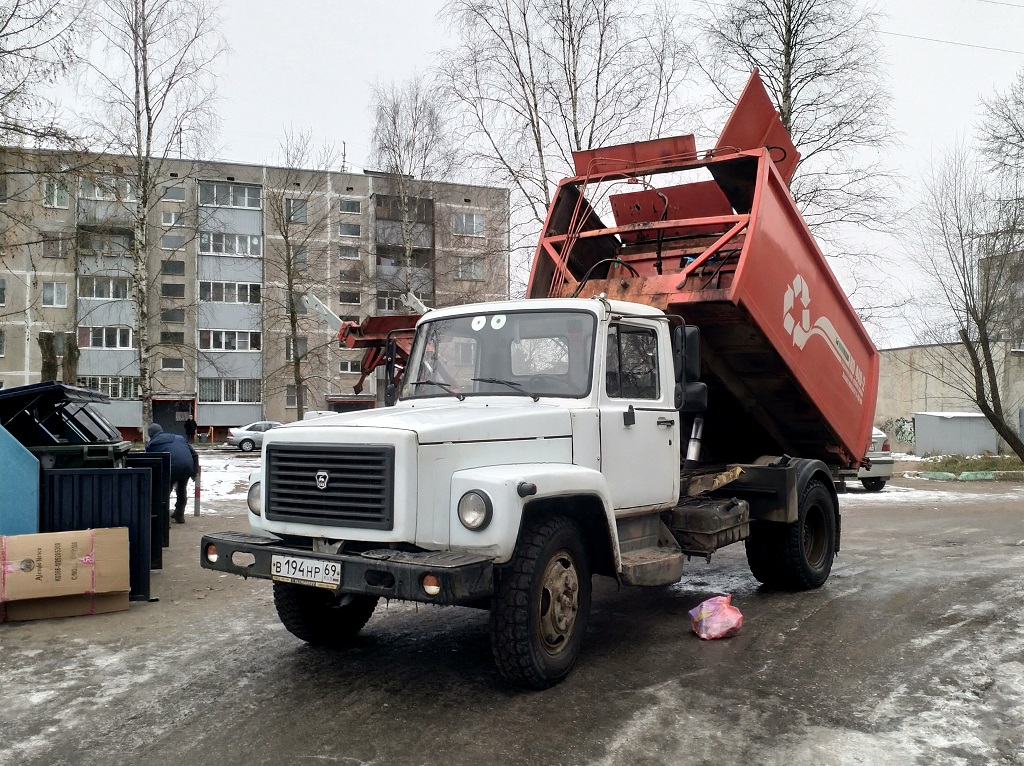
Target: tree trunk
{"points": [[48, 349], [69, 364]]}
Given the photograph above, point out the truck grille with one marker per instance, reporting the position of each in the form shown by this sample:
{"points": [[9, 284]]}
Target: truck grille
{"points": [[349, 486]]}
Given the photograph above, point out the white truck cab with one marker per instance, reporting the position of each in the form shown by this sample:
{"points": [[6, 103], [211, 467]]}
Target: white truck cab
{"points": [[533, 444]]}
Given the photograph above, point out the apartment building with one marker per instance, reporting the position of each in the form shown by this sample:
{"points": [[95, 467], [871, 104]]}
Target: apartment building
{"points": [[230, 249]]}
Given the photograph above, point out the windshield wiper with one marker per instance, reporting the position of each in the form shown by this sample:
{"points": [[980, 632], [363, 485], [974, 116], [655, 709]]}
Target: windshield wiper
{"points": [[444, 386], [511, 384]]}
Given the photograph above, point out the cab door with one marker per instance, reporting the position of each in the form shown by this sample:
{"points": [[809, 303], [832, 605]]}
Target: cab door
{"points": [[639, 427]]}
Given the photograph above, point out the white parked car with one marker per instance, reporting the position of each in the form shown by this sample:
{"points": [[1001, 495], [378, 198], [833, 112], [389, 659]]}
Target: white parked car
{"points": [[247, 438], [874, 479]]}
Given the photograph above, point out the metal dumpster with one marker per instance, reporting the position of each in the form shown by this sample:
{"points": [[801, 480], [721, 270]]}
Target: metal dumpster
{"points": [[59, 425]]}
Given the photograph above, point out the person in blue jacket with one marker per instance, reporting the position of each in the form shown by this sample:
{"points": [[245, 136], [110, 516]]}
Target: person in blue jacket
{"points": [[184, 464]]}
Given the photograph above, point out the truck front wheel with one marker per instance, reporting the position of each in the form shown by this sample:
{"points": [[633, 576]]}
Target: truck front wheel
{"points": [[796, 556], [320, 617], [541, 604]]}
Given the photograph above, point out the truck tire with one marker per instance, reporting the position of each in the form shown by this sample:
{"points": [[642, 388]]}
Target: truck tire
{"points": [[541, 605], [874, 484], [796, 556], [320, 617]]}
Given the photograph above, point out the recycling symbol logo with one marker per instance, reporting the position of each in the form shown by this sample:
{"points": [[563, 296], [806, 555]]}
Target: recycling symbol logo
{"points": [[796, 316]]}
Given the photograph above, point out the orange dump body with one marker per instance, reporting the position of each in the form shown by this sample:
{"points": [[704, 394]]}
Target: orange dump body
{"points": [[790, 368]]}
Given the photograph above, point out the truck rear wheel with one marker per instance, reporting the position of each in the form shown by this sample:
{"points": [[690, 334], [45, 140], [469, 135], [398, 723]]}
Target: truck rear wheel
{"points": [[320, 617], [541, 604], [796, 556]]}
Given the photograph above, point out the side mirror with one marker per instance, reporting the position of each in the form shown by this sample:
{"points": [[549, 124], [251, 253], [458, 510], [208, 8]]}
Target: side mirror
{"points": [[686, 353], [390, 394]]}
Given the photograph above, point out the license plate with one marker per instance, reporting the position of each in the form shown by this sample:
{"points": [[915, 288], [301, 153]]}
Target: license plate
{"points": [[323, 574]]}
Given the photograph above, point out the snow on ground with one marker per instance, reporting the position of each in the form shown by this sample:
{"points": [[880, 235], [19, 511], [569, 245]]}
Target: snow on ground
{"points": [[931, 492], [225, 479]]}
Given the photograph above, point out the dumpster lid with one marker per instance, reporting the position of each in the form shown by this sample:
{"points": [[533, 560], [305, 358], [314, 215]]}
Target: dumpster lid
{"points": [[45, 414]]}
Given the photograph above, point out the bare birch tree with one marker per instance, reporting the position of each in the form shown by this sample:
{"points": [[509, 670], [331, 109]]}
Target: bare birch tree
{"points": [[535, 80], [412, 144], [297, 260], [154, 92], [821, 62], [1002, 128], [972, 244], [38, 41]]}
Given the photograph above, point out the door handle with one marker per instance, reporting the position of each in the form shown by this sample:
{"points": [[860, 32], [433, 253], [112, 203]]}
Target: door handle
{"points": [[666, 422]]}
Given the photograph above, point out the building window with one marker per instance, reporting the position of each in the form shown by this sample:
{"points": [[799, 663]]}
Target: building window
{"points": [[468, 224], [106, 244], [348, 297], [229, 340], [171, 290], [296, 304], [349, 230], [470, 269], [174, 193], [172, 217], [172, 363], [300, 258], [109, 189], [174, 268], [105, 337], [348, 318], [3, 187], [290, 400], [348, 252], [109, 288], [216, 243], [55, 294], [350, 206], [300, 343], [175, 316], [3, 344], [350, 365], [229, 195], [229, 292], [172, 338], [241, 390], [55, 194], [114, 387], [295, 210], [349, 275], [56, 245], [3, 291], [172, 241], [391, 300]]}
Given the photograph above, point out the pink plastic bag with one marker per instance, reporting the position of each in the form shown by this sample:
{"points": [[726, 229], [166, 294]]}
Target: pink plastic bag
{"points": [[716, 618]]}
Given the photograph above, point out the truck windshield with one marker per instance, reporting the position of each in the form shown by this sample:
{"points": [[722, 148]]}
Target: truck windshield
{"points": [[534, 353]]}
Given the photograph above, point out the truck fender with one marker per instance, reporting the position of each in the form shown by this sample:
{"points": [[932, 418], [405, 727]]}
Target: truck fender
{"points": [[580, 493]]}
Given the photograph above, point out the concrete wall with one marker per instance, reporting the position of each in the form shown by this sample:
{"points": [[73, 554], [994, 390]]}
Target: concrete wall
{"points": [[937, 378]]}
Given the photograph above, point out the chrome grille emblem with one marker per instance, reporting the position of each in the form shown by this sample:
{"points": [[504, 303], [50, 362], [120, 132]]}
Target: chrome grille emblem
{"points": [[321, 479]]}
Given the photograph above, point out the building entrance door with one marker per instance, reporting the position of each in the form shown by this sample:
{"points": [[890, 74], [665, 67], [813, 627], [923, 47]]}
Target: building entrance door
{"points": [[172, 414]]}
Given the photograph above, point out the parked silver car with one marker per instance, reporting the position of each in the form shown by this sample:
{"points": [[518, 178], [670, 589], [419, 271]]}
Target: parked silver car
{"points": [[874, 479], [250, 437]]}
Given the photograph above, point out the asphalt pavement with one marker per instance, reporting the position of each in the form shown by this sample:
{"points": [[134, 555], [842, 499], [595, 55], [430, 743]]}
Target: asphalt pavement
{"points": [[912, 653]]}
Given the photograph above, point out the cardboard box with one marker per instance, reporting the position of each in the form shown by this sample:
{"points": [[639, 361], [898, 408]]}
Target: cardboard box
{"points": [[60, 574], [63, 606]]}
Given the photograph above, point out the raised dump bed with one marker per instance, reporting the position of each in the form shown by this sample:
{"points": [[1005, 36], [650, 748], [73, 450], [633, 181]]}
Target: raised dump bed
{"points": [[789, 366]]}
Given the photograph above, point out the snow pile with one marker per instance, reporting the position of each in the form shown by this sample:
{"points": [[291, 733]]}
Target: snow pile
{"points": [[225, 479]]}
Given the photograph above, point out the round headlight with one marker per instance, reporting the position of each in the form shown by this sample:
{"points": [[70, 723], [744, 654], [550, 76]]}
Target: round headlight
{"points": [[254, 499], [475, 509]]}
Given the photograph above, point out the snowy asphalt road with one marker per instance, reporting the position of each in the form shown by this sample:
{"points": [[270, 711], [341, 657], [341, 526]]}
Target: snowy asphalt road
{"points": [[913, 653]]}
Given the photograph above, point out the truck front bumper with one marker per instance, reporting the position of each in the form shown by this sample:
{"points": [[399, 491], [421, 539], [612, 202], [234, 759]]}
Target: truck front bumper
{"points": [[463, 577]]}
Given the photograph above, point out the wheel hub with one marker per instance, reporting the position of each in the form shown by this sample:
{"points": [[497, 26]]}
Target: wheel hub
{"points": [[559, 601]]}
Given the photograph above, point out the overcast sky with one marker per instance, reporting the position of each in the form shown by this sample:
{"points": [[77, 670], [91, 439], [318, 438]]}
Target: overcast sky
{"points": [[309, 64]]}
